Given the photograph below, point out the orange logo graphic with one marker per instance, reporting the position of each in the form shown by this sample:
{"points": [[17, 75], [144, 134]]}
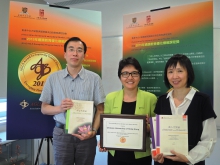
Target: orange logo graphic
{"points": [[122, 139]]}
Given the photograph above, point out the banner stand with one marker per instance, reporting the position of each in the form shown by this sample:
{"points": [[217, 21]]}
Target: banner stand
{"points": [[48, 139]]}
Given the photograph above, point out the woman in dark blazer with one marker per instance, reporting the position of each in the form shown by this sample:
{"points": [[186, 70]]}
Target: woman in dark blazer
{"points": [[183, 99]]}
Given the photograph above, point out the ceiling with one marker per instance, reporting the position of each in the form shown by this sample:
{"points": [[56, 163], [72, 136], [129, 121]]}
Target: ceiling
{"points": [[72, 2]]}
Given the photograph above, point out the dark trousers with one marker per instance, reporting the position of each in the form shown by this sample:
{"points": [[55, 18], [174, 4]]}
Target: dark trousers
{"points": [[142, 161], [69, 149]]}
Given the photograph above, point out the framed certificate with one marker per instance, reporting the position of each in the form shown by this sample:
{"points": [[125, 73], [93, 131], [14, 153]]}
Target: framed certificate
{"points": [[123, 132]]}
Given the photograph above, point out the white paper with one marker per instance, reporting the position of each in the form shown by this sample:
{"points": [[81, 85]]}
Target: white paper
{"points": [[80, 117], [173, 134], [123, 133]]}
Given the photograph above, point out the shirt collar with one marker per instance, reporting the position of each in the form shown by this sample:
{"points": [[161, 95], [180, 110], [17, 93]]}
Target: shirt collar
{"points": [[65, 73], [81, 73], [189, 96]]}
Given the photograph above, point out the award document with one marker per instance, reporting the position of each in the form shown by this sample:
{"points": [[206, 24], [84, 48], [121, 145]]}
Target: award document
{"points": [[172, 134], [79, 118], [123, 132]]}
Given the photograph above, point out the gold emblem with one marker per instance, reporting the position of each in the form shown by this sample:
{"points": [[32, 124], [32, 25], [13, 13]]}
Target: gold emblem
{"points": [[35, 68], [122, 139]]}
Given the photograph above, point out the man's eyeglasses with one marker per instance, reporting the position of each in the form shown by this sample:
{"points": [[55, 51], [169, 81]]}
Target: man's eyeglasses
{"points": [[76, 50], [127, 74]]}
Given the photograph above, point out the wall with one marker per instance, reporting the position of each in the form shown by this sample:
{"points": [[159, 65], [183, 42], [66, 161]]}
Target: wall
{"points": [[216, 74], [112, 19], [112, 37], [112, 23], [4, 10]]}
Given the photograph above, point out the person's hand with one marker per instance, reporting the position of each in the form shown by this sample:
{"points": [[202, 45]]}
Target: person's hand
{"points": [[147, 123], [158, 158], [177, 157], [100, 148], [66, 104], [85, 136]]}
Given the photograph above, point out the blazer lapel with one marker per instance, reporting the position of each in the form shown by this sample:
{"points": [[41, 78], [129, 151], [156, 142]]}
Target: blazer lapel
{"points": [[117, 105], [139, 110]]}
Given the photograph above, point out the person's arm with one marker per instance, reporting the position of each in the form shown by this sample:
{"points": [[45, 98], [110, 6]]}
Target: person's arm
{"points": [[48, 109], [204, 147]]}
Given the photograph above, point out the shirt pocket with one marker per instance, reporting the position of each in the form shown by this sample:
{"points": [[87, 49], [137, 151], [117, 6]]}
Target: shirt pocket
{"points": [[86, 94]]}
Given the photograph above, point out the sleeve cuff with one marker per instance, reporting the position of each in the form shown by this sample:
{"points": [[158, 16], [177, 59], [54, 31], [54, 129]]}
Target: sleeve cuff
{"points": [[94, 129], [190, 160]]}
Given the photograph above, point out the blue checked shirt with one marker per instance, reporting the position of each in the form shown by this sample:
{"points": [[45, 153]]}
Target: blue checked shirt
{"points": [[86, 86]]}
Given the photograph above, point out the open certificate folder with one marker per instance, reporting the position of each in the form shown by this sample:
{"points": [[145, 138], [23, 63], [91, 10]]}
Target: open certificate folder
{"points": [[153, 135], [79, 118], [172, 134]]}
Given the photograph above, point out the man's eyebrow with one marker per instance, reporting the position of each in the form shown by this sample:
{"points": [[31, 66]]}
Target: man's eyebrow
{"points": [[73, 47], [70, 47]]}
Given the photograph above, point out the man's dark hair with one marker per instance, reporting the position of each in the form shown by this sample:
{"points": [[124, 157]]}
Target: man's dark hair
{"points": [[129, 61], [75, 39], [185, 62]]}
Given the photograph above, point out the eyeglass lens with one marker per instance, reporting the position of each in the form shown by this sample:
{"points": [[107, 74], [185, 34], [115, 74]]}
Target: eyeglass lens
{"points": [[127, 74]]}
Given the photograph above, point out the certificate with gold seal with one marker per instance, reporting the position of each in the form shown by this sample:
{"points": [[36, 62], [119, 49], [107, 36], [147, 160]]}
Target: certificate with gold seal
{"points": [[123, 132], [79, 118]]}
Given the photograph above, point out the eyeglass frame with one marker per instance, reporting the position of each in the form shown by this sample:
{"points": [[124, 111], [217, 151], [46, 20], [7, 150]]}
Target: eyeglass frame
{"points": [[75, 50], [130, 73]]}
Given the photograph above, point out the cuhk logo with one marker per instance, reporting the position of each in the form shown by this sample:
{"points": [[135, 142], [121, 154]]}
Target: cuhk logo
{"points": [[148, 19], [134, 20], [41, 12], [24, 9]]}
